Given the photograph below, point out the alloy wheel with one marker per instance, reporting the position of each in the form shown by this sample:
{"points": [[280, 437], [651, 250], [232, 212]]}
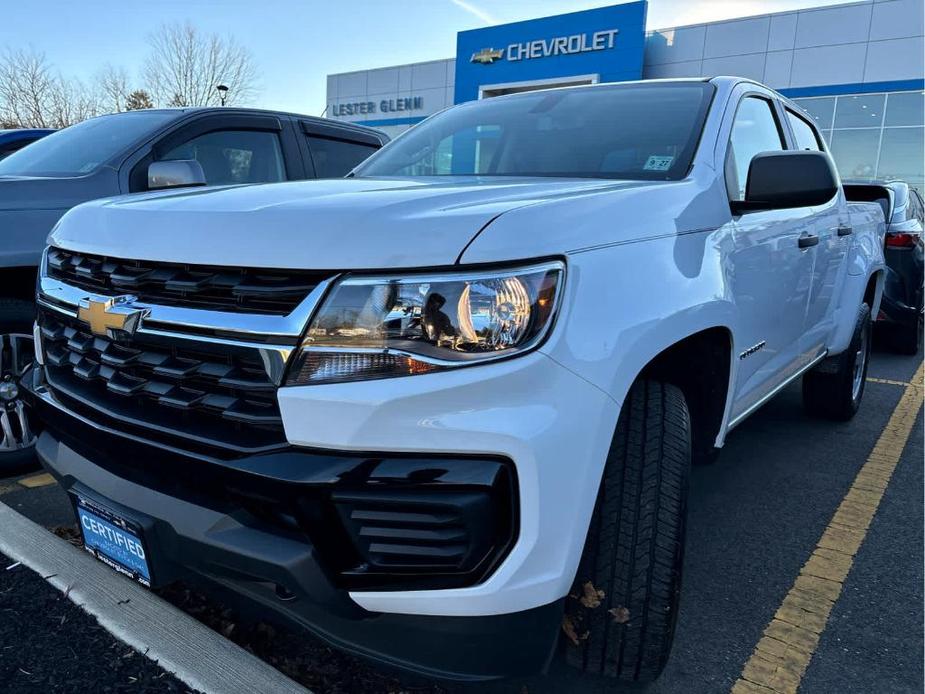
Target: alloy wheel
{"points": [[16, 356]]}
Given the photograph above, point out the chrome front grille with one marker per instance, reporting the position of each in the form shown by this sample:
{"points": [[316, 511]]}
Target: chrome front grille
{"points": [[241, 290], [204, 391], [201, 378]]}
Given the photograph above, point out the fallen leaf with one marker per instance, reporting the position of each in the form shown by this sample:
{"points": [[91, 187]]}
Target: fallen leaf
{"points": [[569, 629], [620, 615], [592, 596]]}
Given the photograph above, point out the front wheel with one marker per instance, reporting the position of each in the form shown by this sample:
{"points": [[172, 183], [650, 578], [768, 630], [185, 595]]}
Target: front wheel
{"points": [[621, 614], [833, 390], [18, 426]]}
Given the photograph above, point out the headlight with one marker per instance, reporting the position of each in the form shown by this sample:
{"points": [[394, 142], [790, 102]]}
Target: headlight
{"points": [[380, 327]]}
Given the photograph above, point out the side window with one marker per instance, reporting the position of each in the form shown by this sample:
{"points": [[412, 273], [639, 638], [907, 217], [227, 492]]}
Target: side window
{"points": [[234, 156], [335, 158], [754, 130], [803, 132]]}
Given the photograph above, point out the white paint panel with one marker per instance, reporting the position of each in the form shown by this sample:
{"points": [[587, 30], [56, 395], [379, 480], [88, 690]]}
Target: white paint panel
{"points": [[898, 59], [777, 69], [428, 75], [828, 65], [833, 25], [451, 72], [382, 82], [434, 100], [783, 31], [351, 84], [690, 68], [675, 45], [331, 88], [737, 37], [404, 78], [750, 66], [897, 19]]}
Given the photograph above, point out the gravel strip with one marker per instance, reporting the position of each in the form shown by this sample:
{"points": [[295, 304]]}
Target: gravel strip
{"points": [[48, 644]]}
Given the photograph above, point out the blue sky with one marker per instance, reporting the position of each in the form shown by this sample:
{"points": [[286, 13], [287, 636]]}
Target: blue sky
{"points": [[296, 43]]}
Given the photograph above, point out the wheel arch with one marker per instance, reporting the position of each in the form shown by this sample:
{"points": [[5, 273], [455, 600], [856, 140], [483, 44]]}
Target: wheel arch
{"points": [[701, 365]]}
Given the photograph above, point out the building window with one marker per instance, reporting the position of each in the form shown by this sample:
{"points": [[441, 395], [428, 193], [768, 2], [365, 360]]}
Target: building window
{"points": [[901, 155], [905, 108], [873, 135], [855, 152], [820, 110], [865, 111]]}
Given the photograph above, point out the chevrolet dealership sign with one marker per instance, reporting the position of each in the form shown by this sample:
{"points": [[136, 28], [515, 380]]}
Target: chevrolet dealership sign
{"points": [[545, 48], [605, 44]]}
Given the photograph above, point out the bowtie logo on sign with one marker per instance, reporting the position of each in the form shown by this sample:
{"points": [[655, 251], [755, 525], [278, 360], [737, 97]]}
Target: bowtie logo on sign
{"points": [[486, 56], [546, 48]]}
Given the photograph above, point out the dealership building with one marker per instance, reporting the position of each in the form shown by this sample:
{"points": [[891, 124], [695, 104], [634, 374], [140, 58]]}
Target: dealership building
{"points": [[857, 68]]}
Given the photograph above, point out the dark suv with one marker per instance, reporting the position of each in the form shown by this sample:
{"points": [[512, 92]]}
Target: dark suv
{"points": [[901, 310], [128, 153]]}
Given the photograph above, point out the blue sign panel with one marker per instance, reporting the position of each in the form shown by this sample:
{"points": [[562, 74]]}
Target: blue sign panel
{"points": [[608, 42]]}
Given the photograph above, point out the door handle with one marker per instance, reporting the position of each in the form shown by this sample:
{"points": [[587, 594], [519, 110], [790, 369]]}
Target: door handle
{"points": [[845, 231], [808, 241]]}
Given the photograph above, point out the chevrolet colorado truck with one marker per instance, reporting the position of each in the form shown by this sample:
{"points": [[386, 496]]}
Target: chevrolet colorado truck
{"points": [[442, 412], [132, 152]]}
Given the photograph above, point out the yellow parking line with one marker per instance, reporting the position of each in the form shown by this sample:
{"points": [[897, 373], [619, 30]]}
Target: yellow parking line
{"points": [[785, 650], [42, 480], [888, 382]]}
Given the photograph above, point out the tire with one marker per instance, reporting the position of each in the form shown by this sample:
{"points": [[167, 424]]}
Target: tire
{"points": [[16, 319], [834, 389], [632, 559]]}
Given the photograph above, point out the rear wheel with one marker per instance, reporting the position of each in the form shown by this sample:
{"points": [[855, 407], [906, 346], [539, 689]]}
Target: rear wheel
{"points": [[621, 614], [17, 425], [834, 389]]}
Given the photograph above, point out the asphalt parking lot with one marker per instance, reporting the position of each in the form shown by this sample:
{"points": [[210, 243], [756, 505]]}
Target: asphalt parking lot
{"points": [[755, 518]]}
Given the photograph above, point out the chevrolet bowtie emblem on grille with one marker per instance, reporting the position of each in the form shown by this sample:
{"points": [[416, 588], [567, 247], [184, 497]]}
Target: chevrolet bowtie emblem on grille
{"points": [[114, 314], [486, 56]]}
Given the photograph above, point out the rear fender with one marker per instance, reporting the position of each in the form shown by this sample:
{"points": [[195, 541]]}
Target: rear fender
{"points": [[854, 293]]}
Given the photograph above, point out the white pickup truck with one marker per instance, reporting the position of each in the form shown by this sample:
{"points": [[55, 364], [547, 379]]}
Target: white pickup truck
{"points": [[442, 412]]}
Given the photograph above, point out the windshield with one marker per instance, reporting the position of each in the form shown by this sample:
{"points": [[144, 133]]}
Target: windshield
{"points": [[80, 149], [634, 131]]}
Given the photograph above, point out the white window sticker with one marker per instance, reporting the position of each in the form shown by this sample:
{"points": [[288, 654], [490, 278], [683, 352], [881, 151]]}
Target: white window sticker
{"points": [[658, 163]]}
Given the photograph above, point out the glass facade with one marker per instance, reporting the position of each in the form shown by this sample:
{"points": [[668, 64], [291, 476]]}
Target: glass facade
{"points": [[874, 135]]}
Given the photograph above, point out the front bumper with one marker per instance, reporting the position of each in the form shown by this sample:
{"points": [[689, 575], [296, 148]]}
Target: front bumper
{"points": [[191, 529]]}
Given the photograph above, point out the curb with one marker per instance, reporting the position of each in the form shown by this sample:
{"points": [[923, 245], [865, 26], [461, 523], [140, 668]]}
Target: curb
{"points": [[196, 655]]}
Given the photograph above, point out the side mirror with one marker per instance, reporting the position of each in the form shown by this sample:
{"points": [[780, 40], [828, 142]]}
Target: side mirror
{"points": [[780, 180], [182, 173]]}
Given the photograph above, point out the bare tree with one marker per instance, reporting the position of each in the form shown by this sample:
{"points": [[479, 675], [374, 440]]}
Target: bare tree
{"points": [[33, 95], [138, 100], [185, 66], [113, 85], [26, 88]]}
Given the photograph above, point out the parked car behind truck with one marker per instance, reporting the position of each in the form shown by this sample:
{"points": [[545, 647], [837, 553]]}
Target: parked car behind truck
{"points": [[435, 410], [134, 152], [903, 296], [15, 139]]}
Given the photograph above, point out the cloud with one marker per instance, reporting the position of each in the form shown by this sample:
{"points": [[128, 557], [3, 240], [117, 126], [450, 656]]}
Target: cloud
{"points": [[476, 11]]}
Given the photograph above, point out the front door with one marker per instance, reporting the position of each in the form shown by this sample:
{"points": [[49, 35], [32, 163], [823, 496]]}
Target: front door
{"points": [[771, 269]]}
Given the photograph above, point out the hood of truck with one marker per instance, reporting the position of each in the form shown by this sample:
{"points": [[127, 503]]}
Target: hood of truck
{"points": [[331, 224]]}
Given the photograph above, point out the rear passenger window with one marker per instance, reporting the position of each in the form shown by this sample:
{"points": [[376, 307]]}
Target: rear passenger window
{"points": [[754, 130], [335, 158], [803, 132]]}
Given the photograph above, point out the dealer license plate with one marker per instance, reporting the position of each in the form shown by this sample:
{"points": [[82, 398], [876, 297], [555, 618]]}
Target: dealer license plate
{"points": [[115, 541]]}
